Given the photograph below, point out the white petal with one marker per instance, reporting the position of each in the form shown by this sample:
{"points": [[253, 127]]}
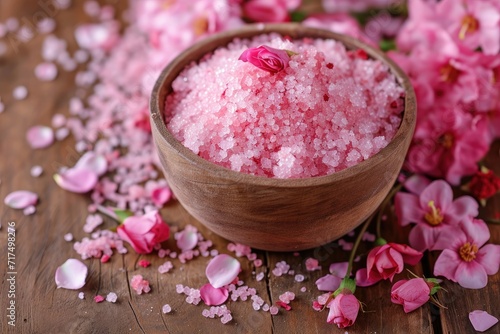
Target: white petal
{"points": [[222, 270]]}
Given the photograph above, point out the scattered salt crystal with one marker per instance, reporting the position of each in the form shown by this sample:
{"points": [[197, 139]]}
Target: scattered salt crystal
{"points": [[68, 237], [81, 56], [36, 171], [257, 263], [303, 289], [139, 284], [81, 295], [144, 263], [111, 297], [29, 210], [46, 25], [273, 310], [61, 133], [165, 268], [46, 71], [12, 24], [299, 278], [105, 258], [166, 309], [312, 264], [260, 276], [226, 318], [367, 236], [20, 92], [98, 299]]}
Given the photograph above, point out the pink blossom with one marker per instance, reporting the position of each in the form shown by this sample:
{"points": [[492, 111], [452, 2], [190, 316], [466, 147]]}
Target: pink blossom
{"points": [[266, 58], [144, 232], [386, 261], [411, 293], [432, 210], [269, 10], [343, 310], [465, 259], [341, 23]]}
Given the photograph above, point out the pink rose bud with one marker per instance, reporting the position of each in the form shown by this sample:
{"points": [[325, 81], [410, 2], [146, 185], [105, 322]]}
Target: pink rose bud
{"points": [[266, 58], [144, 232], [385, 261], [411, 293], [343, 310]]}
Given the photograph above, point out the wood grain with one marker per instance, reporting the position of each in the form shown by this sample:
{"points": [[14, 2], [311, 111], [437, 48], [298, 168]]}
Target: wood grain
{"points": [[268, 213], [40, 248]]}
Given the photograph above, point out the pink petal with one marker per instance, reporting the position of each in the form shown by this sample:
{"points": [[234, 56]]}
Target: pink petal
{"points": [[463, 207], [438, 191], [40, 136], [471, 275], [408, 209], [213, 296], [446, 265], [46, 71], [476, 231], [482, 320], [71, 274], [451, 237], [423, 237], [222, 270], [161, 196], [416, 184], [186, 240], [328, 283], [77, 180], [339, 269], [94, 162], [362, 278], [489, 257], [21, 199]]}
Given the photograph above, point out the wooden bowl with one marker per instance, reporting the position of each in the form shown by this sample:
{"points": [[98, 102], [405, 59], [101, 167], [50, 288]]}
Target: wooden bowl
{"points": [[277, 214]]}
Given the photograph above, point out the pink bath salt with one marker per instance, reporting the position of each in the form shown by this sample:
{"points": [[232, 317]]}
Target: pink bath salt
{"points": [[111, 297], [68, 237], [312, 264], [166, 309], [144, 263], [29, 210], [139, 284], [20, 92], [309, 119], [81, 295], [46, 25], [36, 171], [165, 268], [273, 310], [46, 71], [98, 299]]}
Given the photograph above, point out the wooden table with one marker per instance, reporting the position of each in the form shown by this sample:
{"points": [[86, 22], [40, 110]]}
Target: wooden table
{"points": [[40, 247]]}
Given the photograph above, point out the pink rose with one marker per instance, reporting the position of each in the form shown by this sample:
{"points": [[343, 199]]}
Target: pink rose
{"points": [[410, 293], [269, 10], [386, 261], [144, 232], [343, 310], [266, 58]]}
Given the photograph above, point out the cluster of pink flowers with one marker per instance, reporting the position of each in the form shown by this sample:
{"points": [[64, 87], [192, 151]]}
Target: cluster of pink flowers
{"points": [[450, 50]]}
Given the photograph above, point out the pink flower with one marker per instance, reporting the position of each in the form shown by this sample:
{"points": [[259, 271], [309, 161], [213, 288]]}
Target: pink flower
{"points": [[144, 232], [411, 293], [386, 261], [432, 210], [269, 10], [341, 23], [266, 58], [464, 259], [343, 310]]}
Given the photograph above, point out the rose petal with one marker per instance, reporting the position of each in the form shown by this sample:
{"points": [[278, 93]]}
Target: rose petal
{"points": [[213, 296], [328, 283], [186, 240], [95, 162], [339, 269], [482, 320], [21, 199], [77, 180], [222, 270], [71, 274], [40, 136]]}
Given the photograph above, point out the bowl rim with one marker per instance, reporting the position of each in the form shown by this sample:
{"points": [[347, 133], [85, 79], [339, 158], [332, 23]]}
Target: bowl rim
{"points": [[157, 106]]}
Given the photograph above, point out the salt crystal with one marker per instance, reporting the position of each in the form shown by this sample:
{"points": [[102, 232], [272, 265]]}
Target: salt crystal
{"points": [[303, 289], [46, 25], [166, 309], [29, 210], [12, 24], [46, 71], [273, 310], [111, 297], [299, 278], [98, 299], [36, 171], [20, 92], [68, 237]]}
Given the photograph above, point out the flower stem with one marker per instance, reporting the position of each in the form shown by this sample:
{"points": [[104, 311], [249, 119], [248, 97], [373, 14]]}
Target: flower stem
{"points": [[383, 206], [357, 242]]}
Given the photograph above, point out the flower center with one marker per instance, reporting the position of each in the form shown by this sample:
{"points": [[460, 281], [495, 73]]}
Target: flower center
{"points": [[469, 25], [434, 217], [200, 25], [447, 140], [468, 252], [449, 73]]}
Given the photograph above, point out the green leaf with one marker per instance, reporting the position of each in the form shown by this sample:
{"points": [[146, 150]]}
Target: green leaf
{"points": [[387, 45], [380, 242], [298, 16], [346, 284], [121, 215]]}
